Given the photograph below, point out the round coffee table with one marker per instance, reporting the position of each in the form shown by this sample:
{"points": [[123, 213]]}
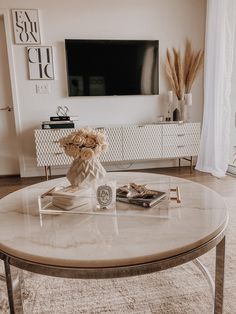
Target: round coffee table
{"points": [[128, 241]]}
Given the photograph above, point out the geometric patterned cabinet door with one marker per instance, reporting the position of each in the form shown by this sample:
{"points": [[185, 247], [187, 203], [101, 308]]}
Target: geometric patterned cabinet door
{"points": [[114, 140], [142, 142]]}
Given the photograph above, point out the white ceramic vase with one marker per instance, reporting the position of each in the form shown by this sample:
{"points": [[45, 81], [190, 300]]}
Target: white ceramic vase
{"points": [[85, 172], [188, 99], [184, 111]]}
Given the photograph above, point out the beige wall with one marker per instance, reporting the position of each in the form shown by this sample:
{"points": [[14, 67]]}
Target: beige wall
{"points": [[169, 21]]}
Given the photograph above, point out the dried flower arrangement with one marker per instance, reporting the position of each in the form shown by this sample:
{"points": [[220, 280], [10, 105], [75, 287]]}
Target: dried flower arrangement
{"points": [[84, 143], [182, 73]]}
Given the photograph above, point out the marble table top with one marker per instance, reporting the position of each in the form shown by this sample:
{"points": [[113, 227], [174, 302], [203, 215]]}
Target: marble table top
{"points": [[127, 235]]}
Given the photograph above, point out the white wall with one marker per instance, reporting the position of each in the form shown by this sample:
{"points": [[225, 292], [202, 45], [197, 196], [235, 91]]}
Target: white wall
{"points": [[170, 21]]}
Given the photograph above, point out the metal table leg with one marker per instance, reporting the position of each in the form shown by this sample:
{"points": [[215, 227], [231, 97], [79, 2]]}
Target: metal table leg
{"points": [[207, 275], [13, 281], [219, 277]]}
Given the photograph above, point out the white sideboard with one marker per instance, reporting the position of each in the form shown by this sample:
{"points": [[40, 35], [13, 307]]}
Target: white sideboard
{"points": [[126, 143]]}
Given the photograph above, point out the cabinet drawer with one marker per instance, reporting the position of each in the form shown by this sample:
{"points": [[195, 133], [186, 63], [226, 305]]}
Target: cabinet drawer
{"points": [[53, 159], [180, 151], [181, 139], [48, 147], [52, 135], [181, 128]]}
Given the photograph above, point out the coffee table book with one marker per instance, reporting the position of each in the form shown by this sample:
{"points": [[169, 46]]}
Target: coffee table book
{"points": [[147, 202]]}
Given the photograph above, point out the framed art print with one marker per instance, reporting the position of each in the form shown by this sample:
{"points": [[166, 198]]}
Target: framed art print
{"points": [[26, 26], [40, 63]]}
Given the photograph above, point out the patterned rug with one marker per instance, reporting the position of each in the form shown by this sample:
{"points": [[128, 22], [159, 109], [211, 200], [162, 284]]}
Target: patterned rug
{"points": [[179, 290]]}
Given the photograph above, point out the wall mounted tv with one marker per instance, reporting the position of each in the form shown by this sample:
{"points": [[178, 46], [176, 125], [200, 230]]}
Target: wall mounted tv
{"points": [[112, 67]]}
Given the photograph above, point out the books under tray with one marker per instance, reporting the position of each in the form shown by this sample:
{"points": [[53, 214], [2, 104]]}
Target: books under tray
{"points": [[139, 195]]}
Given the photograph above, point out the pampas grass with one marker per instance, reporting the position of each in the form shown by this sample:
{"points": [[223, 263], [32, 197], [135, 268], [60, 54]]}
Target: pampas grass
{"points": [[174, 71], [182, 73], [193, 62]]}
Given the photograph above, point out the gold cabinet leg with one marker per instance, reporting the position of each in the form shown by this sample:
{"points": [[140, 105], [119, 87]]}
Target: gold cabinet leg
{"points": [[46, 172], [191, 164]]}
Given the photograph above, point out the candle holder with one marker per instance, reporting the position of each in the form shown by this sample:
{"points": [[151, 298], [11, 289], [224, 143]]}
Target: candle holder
{"points": [[169, 105]]}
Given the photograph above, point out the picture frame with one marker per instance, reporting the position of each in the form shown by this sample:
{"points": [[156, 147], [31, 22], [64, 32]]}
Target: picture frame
{"points": [[26, 26], [40, 62]]}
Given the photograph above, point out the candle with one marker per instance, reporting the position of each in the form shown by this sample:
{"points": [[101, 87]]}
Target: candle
{"points": [[170, 96]]}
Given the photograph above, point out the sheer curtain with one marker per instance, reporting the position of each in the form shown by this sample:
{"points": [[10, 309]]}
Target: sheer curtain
{"points": [[219, 47]]}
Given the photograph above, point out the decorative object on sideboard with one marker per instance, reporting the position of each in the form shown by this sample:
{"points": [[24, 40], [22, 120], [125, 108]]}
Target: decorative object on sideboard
{"points": [[62, 120], [59, 124], [63, 114], [193, 61], [188, 98], [174, 71], [62, 111], [85, 146], [169, 105], [176, 112], [40, 63], [26, 26], [181, 73], [160, 118]]}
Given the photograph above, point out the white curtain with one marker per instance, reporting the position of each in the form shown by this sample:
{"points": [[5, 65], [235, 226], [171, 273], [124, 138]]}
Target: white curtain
{"points": [[219, 47]]}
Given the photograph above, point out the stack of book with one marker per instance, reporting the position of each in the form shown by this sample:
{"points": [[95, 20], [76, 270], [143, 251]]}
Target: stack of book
{"points": [[59, 122]]}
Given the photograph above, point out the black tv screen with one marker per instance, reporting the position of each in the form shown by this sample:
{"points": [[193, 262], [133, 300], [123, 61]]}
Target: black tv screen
{"points": [[112, 67]]}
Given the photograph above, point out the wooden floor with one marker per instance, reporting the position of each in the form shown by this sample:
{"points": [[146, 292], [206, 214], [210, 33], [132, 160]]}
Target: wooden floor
{"points": [[223, 186]]}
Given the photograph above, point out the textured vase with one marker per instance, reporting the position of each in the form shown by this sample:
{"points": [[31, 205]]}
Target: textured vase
{"points": [[83, 172]]}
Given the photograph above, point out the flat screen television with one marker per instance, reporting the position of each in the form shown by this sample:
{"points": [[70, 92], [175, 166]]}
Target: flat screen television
{"points": [[112, 67]]}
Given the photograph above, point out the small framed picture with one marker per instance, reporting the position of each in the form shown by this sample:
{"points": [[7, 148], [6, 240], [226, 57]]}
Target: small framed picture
{"points": [[40, 63], [26, 26]]}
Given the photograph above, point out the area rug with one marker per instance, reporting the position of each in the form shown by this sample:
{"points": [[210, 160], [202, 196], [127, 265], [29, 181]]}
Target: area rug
{"points": [[175, 291]]}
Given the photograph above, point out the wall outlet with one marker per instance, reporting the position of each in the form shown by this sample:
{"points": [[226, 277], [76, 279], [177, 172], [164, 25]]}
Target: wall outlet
{"points": [[42, 88]]}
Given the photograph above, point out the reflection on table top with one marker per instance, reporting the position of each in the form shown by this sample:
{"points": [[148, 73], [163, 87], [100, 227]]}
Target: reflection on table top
{"points": [[126, 235]]}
